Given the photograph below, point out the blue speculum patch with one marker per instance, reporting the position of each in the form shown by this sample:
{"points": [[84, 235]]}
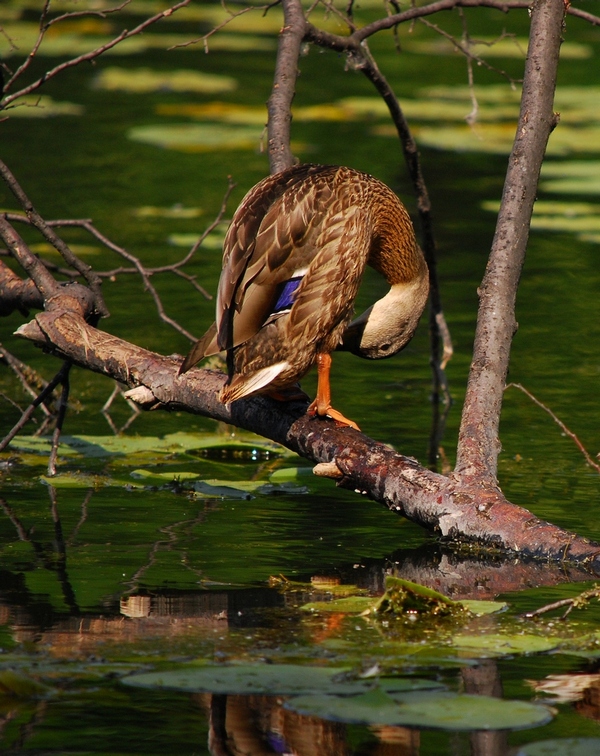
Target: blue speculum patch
{"points": [[287, 295]]}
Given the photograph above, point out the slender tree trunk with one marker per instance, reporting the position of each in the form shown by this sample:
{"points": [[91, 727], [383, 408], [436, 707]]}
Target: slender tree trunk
{"points": [[478, 444]]}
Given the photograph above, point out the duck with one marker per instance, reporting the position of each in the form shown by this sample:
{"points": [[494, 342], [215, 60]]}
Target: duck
{"points": [[293, 259]]}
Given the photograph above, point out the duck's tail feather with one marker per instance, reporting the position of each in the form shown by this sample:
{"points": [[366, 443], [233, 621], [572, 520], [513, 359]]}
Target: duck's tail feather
{"points": [[252, 383]]}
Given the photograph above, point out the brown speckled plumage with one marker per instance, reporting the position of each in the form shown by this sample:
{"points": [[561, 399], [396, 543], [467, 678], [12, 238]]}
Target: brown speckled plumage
{"points": [[322, 224]]}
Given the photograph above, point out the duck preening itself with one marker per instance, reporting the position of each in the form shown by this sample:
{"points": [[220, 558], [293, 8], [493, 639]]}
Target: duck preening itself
{"points": [[293, 259]]}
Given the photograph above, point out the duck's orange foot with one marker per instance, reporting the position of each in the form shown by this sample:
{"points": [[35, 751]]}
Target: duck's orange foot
{"points": [[328, 411]]}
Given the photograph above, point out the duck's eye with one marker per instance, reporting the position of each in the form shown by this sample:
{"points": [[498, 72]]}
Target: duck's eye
{"points": [[385, 347]]}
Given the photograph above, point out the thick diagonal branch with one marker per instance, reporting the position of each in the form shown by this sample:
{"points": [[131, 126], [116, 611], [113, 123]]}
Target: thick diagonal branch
{"points": [[478, 445], [448, 506]]}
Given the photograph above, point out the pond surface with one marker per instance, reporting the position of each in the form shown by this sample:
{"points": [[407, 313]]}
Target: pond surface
{"points": [[111, 569]]}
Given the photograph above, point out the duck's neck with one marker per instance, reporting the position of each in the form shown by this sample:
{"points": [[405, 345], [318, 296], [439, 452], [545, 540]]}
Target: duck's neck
{"points": [[394, 250]]}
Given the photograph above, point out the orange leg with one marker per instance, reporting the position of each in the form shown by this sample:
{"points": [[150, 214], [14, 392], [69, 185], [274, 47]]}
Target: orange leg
{"points": [[322, 404]]}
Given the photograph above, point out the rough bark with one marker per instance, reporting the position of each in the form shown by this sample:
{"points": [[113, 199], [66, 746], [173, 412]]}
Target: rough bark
{"points": [[284, 86], [479, 445]]}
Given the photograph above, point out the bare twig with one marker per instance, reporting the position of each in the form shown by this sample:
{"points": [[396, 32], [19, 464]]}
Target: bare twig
{"points": [[96, 276], [25, 374], [464, 47], [232, 15], [92, 55], [46, 391], [578, 602], [561, 425], [38, 222]]}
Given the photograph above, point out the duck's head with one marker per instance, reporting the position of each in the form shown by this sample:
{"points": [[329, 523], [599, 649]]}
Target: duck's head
{"points": [[388, 325]]}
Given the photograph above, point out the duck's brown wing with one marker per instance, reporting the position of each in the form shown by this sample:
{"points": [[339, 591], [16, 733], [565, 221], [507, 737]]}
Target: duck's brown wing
{"points": [[271, 241], [306, 218]]}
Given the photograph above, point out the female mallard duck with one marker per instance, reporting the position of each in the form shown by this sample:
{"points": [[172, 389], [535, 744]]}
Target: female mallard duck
{"points": [[293, 259]]}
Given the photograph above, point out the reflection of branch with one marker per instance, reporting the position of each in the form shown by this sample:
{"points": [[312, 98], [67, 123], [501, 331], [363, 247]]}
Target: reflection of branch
{"points": [[560, 424], [61, 552], [62, 411], [26, 376], [92, 55]]}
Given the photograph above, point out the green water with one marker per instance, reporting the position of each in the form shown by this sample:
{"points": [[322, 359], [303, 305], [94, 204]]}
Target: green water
{"points": [[73, 562]]}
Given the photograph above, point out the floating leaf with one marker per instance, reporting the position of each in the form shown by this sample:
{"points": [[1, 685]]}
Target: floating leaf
{"points": [[44, 248], [198, 137], [439, 710], [213, 240], [150, 80], [105, 446], [571, 177], [349, 605], [42, 106], [490, 47], [480, 608], [175, 211], [75, 480], [268, 679], [289, 474], [561, 747], [504, 645], [498, 138], [225, 112]]}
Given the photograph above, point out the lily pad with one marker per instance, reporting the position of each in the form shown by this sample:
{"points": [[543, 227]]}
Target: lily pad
{"points": [[106, 446], [428, 709], [115, 78], [42, 106], [504, 645], [19, 685], [267, 679], [188, 137], [561, 747], [349, 605], [483, 607]]}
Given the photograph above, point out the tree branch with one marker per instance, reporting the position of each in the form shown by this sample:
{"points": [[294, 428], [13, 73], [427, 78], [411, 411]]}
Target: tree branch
{"points": [[92, 55], [448, 506]]}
